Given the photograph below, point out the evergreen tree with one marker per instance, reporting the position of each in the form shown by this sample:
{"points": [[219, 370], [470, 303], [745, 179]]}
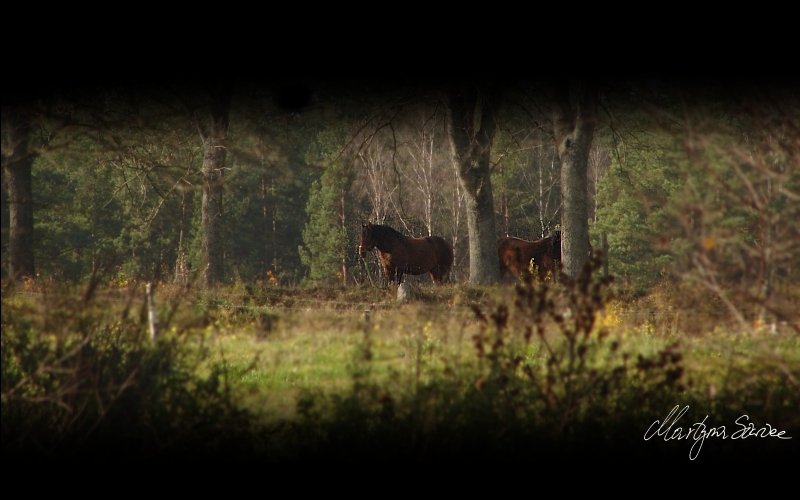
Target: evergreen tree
{"points": [[325, 236]]}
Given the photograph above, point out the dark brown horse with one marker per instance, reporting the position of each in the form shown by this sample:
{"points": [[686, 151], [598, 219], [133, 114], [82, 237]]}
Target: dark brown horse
{"points": [[401, 254], [516, 254]]}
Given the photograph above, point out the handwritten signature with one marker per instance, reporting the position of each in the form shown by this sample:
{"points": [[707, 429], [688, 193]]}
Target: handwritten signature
{"points": [[699, 431]]}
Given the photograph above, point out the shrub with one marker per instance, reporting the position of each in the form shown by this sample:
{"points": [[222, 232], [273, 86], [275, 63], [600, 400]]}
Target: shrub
{"points": [[80, 378]]}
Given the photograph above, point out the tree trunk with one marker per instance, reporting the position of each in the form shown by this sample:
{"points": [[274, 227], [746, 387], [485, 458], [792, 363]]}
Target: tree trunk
{"points": [[573, 131], [17, 163], [214, 143], [471, 153], [504, 207], [265, 215], [344, 231]]}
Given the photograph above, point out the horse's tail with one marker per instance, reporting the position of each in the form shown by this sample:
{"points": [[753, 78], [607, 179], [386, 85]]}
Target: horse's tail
{"points": [[446, 258]]}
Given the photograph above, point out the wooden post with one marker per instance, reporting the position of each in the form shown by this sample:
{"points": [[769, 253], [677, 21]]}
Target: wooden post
{"points": [[151, 310]]}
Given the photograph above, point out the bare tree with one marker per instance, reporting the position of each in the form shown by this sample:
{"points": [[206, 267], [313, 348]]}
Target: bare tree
{"points": [[547, 183], [455, 208], [215, 138], [599, 161], [378, 178], [424, 162]]}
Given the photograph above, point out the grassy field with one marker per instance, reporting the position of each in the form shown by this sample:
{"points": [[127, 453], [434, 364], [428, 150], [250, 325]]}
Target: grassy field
{"points": [[295, 374]]}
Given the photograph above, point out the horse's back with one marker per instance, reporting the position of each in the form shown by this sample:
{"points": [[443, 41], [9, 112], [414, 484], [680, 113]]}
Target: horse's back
{"points": [[515, 254]]}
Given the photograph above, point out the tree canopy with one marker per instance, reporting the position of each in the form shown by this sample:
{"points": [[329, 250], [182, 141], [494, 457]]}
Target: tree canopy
{"points": [[697, 179]]}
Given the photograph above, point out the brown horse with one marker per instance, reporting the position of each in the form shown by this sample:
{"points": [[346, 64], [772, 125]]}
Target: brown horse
{"points": [[401, 254], [516, 254]]}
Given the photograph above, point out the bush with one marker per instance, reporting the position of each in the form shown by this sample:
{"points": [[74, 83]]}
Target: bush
{"points": [[527, 393], [80, 378]]}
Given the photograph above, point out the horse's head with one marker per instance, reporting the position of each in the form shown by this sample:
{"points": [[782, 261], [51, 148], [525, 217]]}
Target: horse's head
{"points": [[367, 243]]}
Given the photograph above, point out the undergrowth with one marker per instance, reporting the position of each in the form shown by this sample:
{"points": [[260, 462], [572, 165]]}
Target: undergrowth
{"points": [[551, 372]]}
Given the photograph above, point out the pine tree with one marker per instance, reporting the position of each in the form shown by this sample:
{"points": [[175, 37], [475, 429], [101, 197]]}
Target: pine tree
{"points": [[324, 237], [325, 233]]}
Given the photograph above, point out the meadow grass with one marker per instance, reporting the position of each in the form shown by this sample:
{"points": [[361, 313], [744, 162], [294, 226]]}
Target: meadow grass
{"points": [[321, 369]]}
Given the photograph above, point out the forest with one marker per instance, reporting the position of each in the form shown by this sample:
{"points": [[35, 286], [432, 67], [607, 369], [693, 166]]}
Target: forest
{"points": [[119, 177], [241, 203]]}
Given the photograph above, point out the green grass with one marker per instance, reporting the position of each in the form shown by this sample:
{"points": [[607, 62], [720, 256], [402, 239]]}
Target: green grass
{"points": [[315, 351], [309, 380]]}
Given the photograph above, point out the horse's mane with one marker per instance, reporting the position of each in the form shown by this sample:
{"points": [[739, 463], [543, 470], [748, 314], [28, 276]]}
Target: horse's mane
{"points": [[381, 232]]}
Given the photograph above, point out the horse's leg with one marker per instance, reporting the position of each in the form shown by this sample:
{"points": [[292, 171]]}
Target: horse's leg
{"points": [[436, 275], [441, 276], [505, 271], [444, 276], [393, 273], [546, 267], [390, 273]]}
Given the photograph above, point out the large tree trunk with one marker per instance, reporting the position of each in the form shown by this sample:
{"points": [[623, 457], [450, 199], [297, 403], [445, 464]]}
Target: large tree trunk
{"points": [[573, 130], [471, 153], [215, 143], [17, 163]]}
